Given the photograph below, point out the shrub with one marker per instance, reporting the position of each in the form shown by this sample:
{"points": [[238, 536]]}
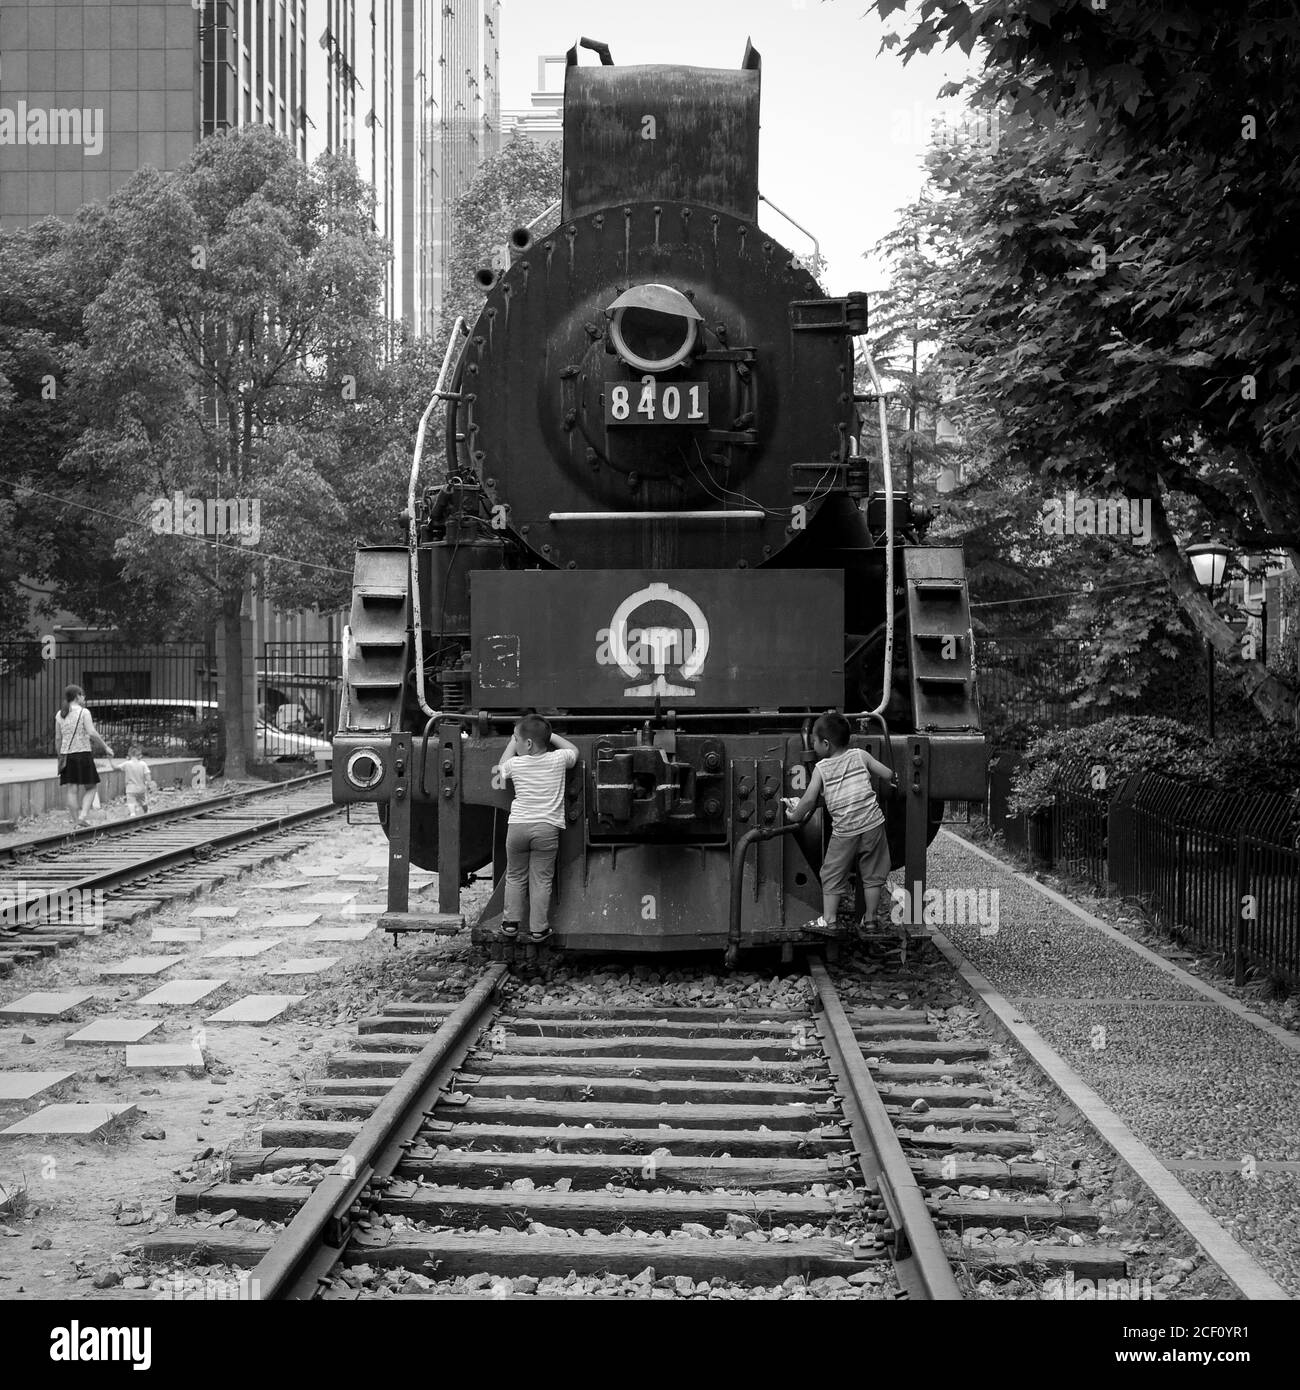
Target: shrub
{"points": [[1130, 744]]}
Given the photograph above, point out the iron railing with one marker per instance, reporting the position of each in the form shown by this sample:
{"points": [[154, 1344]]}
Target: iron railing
{"points": [[33, 675], [297, 695], [1030, 685], [1219, 870]]}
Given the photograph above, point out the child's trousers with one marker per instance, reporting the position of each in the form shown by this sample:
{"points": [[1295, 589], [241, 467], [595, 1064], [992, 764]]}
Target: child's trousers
{"points": [[531, 848]]}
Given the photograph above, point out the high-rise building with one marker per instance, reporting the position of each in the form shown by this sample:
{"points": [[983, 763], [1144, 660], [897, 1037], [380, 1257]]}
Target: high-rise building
{"points": [[91, 91], [469, 125], [543, 121]]}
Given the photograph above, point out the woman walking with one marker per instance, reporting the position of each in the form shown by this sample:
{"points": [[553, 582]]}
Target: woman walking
{"points": [[74, 738]]}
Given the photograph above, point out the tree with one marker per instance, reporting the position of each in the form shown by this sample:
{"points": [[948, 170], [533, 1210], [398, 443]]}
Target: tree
{"points": [[510, 189], [1132, 302], [232, 325]]}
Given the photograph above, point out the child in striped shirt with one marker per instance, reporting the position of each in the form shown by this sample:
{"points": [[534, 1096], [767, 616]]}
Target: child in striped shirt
{"points": [[536, 818], [843, 778]]}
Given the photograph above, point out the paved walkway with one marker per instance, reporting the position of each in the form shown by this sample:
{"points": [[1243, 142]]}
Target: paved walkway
{"points": [[1208, 1086], [43, 769]]}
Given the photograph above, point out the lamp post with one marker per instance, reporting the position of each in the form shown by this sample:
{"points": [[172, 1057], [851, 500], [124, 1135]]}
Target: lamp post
{"points": [[1209, 560]]}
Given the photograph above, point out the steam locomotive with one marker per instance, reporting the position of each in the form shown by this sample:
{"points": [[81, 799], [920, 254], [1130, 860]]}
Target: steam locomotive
{"points": [[655, 529]]}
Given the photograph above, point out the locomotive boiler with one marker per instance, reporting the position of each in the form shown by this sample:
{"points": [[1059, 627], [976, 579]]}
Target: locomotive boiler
{"points": [[654, 528]]}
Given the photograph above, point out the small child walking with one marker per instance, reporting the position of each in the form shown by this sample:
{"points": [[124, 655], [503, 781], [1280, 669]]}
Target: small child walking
{"points": [[843, 778], [535, 760], [139, 781]]}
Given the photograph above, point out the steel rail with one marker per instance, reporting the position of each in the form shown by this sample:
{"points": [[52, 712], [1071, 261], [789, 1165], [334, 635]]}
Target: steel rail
{"points": [[40, 844], [45, 900], [317, 1237], [919, 1260]]}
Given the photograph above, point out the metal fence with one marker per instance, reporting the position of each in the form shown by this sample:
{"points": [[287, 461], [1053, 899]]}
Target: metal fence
{"points": [[298, 690], [130, 688], [33, 675], [1030, 684], [1220, 870]]}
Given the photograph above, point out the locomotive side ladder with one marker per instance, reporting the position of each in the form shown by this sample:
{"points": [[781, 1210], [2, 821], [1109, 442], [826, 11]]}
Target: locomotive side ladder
{"points": [[944, 697], [378, 658]]}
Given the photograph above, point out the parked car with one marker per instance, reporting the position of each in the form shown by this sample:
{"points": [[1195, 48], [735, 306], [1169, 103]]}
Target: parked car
{"points": [[177, 727]]}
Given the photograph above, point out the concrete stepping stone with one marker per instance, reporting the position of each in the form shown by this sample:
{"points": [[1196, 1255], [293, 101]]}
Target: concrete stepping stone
{"points": [[181, 992], [319, 872], [277, 885], [305, 965], [252, 946], [343, 933], [328, 899], [83, 1117], [140, 965], [256, 1008], [27, 1085], [378, 863], [115, 1030], [46, 1004], [214, 912], [292, 919], [176, 934], [358, 878], [364, 909], [152, 1055]]}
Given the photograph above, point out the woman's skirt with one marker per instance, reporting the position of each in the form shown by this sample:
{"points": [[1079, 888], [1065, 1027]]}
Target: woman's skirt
{"points": [[80, 771]]}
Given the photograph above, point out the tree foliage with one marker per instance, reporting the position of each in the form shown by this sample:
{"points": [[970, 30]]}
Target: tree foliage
{"points": [[1128, 283], [214, 333], [510, 189]]}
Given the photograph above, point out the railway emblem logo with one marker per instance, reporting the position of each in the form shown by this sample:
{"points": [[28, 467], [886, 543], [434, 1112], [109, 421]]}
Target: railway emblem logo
{"points": [[657, 646]]}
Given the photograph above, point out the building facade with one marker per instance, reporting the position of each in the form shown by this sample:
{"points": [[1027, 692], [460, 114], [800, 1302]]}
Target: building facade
{"points": [[92, 91], [543, 120]]}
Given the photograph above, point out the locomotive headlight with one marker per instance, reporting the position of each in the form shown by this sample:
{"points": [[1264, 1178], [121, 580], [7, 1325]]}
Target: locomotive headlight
{"points": [[365, 768], [653, 327]]}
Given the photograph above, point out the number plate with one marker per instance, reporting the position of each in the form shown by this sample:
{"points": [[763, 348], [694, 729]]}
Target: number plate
{"points": [[656, 403]]}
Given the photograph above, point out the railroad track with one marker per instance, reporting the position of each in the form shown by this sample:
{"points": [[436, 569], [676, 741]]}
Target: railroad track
{"points": [[473, 1141], [53, 886]]}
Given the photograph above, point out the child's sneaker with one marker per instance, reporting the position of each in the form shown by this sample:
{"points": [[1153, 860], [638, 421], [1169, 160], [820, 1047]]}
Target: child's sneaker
{"points": [[537, 937], [510, 930], [819, 926]]}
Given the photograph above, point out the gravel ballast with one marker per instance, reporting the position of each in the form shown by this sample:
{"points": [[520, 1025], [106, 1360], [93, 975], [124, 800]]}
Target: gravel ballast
{"points": [[1190, 1077]]}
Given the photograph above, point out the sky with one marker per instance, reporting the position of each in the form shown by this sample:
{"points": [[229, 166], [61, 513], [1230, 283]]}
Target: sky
{"points": [[844, 126]]}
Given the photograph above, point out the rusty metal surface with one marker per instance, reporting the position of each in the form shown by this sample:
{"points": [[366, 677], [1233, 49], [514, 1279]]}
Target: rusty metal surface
{"points": [[539, 365], [633, 134], [624, 639]]}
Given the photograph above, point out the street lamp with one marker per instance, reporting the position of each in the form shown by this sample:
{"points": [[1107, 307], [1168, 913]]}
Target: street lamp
{"points": [[1209, 560]]}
